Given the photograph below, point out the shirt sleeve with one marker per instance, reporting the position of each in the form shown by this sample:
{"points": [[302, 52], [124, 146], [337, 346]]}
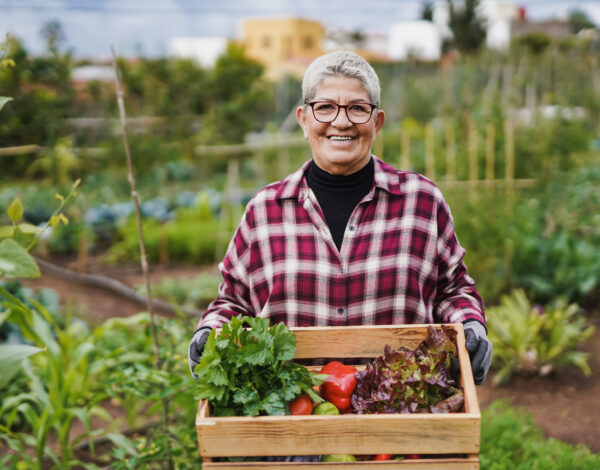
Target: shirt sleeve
{"points": [[233, 297], [457, 299]]}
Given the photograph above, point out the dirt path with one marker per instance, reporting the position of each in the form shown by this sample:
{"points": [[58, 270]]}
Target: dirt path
{"points": [[565, 406]]}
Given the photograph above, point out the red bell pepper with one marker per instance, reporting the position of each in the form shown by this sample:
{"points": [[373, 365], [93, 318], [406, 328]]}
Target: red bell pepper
{"points": [[340, 384], [384, 457]]}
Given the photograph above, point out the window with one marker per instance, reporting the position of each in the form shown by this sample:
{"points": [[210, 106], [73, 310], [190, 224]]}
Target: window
{"points": [[308, 42], [266, 42]]}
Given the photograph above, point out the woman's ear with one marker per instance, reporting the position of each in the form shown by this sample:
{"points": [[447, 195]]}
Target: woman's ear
{"points": [[379, 120], [301, 118]]}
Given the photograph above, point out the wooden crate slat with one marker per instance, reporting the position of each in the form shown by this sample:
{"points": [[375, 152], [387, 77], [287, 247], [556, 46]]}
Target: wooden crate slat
{"points": [[455, 463], [358, 434], [354, 341]]}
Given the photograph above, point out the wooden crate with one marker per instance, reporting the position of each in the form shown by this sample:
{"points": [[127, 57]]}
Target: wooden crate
{"points": [[452, 439]]}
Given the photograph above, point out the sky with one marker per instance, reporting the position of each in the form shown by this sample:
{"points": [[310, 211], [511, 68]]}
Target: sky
{"points": [[146, 26]]}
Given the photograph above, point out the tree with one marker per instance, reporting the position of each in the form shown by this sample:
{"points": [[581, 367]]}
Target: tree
{"points": [[427, 11], [578, 20], [467, 26], [240, 98], [54, 35]]}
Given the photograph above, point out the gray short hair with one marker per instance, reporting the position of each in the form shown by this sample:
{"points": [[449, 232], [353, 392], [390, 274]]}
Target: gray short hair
{"points": [[344, 63]]}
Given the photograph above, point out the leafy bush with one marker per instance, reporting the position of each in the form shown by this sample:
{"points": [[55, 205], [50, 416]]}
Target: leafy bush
{"points": [[530, 340], [192, 236], [547, 242], [510, 440], [195, 292]]}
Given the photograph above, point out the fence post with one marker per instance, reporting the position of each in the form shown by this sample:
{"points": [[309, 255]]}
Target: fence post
{"points": [[450, 150], [378, 145], [473, 147], [230, 207], [163, 234], [490, 156], [429, 151], [405, 157], [509, 175], [284, 159]]}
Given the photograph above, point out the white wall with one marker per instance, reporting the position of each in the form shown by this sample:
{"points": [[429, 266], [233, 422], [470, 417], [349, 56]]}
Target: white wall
{"points": [[205, 51], [421, 39]]}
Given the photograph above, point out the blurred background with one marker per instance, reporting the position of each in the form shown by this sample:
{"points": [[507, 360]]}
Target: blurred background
{"points": [[498, 102]]}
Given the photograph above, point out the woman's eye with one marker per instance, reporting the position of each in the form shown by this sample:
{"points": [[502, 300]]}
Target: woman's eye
{"points": [[359, 108], [325, 107]]}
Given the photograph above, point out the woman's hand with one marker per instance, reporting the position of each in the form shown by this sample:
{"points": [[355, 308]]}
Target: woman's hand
{"points": [[480, 349], [196, 348]]}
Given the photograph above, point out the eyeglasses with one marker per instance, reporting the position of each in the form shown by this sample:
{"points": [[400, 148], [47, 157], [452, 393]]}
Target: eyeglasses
{"points": [[327, 111]]}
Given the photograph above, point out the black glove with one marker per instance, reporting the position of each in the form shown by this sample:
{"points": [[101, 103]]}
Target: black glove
{"points": [[480, 349], [196, 347]]}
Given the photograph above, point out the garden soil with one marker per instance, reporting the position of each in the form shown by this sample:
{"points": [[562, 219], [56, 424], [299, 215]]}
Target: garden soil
{"points": [[564, 404]]}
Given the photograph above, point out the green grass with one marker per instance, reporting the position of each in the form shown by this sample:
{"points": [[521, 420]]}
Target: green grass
{"points": [[511, 440]]}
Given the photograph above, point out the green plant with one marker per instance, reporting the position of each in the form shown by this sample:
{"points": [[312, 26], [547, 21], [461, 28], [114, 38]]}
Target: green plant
{"points": [[529, 340], [192, 236], [195, 292], [510, 440], [63, 385], [247, 371], [61, 381], [132, 380]]}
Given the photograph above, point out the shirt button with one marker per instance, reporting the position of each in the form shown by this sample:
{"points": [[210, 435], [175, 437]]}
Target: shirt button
{"points": [[341, 269], [341, 311], [352, 228]]}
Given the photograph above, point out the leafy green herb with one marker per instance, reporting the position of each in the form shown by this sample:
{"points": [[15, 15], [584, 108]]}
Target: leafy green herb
{"points": [[246, 369], [405, 381]]}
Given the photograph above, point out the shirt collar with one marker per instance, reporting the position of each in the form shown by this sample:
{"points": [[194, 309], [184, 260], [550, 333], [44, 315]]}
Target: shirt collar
{"points": [[386, 178]]}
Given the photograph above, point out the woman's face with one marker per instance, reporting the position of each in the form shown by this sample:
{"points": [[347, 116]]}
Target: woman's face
{"points": [[340, 147]]}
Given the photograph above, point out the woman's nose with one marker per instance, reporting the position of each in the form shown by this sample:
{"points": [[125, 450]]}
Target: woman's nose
{"points": [[341, 120]]}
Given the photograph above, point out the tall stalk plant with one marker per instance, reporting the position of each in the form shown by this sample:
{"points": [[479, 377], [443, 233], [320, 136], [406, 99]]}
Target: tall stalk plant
{"points": [[143, 257]]}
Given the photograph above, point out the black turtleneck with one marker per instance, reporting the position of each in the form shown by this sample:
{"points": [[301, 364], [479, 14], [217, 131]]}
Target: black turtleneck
{"points": [[338, 195]]}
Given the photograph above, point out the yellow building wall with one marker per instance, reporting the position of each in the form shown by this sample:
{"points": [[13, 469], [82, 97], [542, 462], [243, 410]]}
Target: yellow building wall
{"points": [[280, 42]]}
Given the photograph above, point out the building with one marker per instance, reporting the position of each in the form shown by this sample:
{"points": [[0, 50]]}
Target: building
{"points": [[204, 50], [414, 40], [284, 45]]}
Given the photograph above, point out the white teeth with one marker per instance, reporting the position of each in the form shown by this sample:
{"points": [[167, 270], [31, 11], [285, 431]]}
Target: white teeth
{"points": [[340, 137]]}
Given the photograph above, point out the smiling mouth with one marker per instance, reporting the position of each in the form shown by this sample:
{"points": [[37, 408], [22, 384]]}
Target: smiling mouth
{"points": [[341, 138]]}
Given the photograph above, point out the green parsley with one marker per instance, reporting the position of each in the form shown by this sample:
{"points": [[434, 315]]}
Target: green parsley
{"points": [[247, 371]]}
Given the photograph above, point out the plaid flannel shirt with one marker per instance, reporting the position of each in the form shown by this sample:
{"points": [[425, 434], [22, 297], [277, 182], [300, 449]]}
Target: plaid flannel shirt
{"points": [[400, 261]]}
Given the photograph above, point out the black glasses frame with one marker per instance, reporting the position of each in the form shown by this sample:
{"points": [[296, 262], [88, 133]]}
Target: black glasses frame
{"points": [[340, 106]]}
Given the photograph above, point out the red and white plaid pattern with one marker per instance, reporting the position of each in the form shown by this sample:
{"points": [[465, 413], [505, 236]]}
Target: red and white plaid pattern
{"points": [[400, 260]]}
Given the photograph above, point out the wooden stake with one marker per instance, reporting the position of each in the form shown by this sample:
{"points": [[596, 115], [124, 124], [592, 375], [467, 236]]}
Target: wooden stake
{"points": [[473, 149], [490, 138], [138, 214], [450, 150], [405, 157], [378, 146], [143, 258], [509, 174]]}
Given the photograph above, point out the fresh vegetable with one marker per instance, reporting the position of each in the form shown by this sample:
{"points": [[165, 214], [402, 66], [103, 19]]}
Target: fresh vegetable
{"points": [[406, 381], [338, 458], [302, 405], [338, 387], [412, 456], [326, 408], [246, 371], [384, 457]]}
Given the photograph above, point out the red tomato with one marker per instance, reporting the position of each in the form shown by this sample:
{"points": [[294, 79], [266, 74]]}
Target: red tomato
{"points": [[412, 456], [302, 405], [383, 457]]}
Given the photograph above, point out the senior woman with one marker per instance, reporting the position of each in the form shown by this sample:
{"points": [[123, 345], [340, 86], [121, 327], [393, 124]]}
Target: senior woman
{"points": [[347, 239]]}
